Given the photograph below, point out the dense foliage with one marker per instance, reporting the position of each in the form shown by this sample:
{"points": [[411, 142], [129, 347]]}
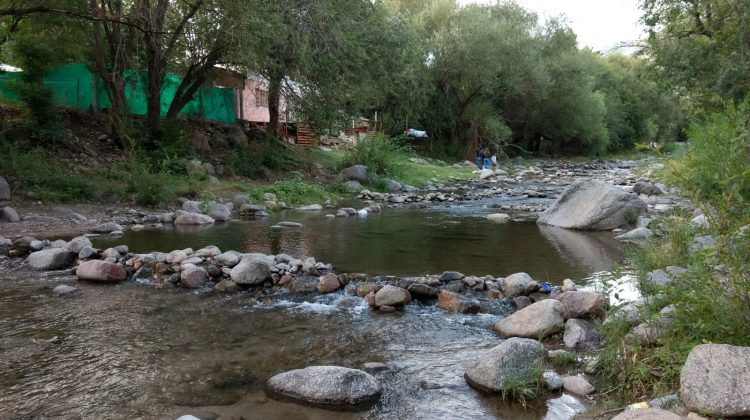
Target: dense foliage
{"points": [[478, 74]]}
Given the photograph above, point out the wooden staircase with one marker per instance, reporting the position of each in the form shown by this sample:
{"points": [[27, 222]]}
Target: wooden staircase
{"points": [[305, 135]]}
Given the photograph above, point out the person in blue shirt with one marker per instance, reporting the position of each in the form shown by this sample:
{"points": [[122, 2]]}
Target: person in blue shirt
{"points": [[479, 157]]}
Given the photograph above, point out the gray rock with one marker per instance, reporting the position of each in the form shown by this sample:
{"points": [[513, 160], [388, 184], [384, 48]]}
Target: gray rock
{"points": [[86, 253], [659, 278], [583, 304], [498, 217], [647, 414], [593, 205], [566, 407], [581, 335], [454, 302], [304, 284], [356, 173], [10, 215], [390, 295], [637, 235], [193, 276], [514, 360], [450, 276], [578, 385], [106, 228], [518, 284], [36, 245], [520, 302], [534, 321], [51, 259], [326, 387], [643, 222], [191, 219], [700, 221], [191, 206], [714, 380], [552, 380], [78, 243], [569, 286], [422, 291], [98, 270], [64, 290], [311, 207], [646, 188], [4, 190], [219, 212], [290, 224], [228, 259], [702, 242], [252, 270], [394, 186]]}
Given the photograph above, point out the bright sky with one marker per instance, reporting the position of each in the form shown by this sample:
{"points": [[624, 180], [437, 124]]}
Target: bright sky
{"points": [[599, 24]]}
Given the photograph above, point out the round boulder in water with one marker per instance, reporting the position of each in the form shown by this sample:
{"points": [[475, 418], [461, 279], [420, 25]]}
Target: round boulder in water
{"points": [[331, 387]]}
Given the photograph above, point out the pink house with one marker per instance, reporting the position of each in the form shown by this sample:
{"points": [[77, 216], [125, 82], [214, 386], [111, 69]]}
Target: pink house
{"points": [[252, 100]]}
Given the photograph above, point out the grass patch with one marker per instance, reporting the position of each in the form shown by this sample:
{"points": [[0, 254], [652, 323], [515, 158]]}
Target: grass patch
{"points": [[524, 388], [563, 359]]}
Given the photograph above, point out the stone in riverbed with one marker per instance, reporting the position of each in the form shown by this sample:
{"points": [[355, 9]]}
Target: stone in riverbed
{"points": [[356, 173], [537, 320], [192, 219], [593, 205], [578, 385], [10, 215], [503, 366], [422, 291], [228, 259], [219, 212], [328, 283], [311, 207], [714, 380], [51, 259], [498, 217], [330, 387], [582, 304], [227, 286], [518, 284], [64, 290], [304, 284], [448, 276], [366, 288], [552, 380], [192, 276], [648, 414], [454, 302], [392, 296], [98, 270], [581, 335], [252, 270], [77, 244], [86, 253]]}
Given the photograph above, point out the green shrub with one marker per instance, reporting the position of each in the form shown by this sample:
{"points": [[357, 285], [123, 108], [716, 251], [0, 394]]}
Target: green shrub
{"points": [[296, 192], [379, 153], [40, 177]]}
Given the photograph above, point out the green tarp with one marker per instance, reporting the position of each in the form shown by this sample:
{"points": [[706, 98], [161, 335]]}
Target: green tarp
{"points": [[72, 86]]}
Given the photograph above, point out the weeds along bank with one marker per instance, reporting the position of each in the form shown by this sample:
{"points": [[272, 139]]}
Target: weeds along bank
{"points": [[709, 301]]}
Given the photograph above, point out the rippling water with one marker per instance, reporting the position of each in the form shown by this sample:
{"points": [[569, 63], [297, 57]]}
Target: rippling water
{"points": [[131, 351]]}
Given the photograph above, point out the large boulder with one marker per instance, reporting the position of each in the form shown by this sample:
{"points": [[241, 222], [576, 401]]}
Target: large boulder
{"points": [[518, 284], [582, 304], [51, 259], [647, 188], [326, 387], [514, 360], [4, 190], [185, 218], [355, 173], [98, 270], [593, 205], [716, 380], [9, 215], [390, 295], [536, 320], [252, 270]]}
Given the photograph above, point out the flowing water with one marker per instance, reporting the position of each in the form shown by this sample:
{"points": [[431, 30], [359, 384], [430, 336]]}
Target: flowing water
{"points": [[132, 351]]}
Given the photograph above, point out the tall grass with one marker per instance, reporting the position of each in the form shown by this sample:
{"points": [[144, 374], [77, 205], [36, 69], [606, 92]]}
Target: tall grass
{"points": [[379, 153]]}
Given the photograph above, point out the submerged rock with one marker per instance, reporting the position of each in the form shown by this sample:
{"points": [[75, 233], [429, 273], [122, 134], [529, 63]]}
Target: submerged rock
{"points": [[330, 387], [64, 290], [593, 205], [514, 360]]}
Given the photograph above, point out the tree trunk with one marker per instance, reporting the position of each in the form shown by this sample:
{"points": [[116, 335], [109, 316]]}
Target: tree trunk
{"points": [[274, 100]]}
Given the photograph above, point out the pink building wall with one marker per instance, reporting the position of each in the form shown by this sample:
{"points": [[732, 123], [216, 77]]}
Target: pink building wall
{"points": [[253, 104]]}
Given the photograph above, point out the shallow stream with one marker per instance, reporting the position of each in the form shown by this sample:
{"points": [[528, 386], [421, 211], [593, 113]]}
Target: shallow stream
{"points": [[132, 351]]}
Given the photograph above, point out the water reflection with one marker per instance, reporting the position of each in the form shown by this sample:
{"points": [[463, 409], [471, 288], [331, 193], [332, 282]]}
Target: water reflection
{"points": [[402, 242]]}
